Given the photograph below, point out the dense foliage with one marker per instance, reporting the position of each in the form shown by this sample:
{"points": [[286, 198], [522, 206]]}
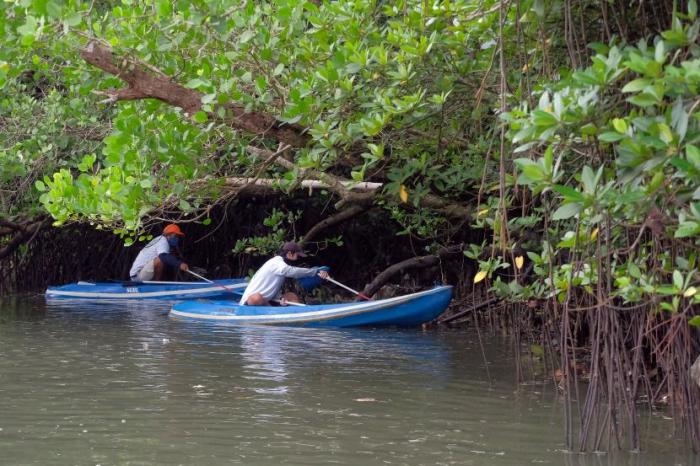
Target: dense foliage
{"points": [[619, 173]]}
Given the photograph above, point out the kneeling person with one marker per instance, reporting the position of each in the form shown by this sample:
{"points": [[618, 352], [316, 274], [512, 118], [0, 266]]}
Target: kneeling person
{"points": [[266, 284], [151, 262]]}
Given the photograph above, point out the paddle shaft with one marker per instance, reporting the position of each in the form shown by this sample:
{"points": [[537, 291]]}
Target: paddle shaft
{"points": [[361, 295], [213, 283], [291, 303], [200, 277]]}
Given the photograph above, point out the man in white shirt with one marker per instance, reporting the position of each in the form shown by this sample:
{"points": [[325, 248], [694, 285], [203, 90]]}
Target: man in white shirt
{"points": [[151, 262], [266, 284]]}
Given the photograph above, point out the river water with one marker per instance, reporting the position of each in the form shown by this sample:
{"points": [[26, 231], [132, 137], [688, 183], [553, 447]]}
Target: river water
{"points": [[125, 384]]}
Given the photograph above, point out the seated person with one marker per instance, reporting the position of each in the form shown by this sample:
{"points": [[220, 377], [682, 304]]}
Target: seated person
{"points": [[266, 284], [152, 261]]}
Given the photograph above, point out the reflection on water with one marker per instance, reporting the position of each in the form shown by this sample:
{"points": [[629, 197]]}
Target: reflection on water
{"points": [[122, 383]]}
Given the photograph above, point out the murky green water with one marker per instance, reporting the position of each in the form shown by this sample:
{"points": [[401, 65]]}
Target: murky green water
{"points": [[126, 384]]}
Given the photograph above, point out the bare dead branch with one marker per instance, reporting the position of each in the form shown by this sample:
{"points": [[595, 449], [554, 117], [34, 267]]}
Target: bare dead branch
{"points": [[335, 219], [419, 262]]}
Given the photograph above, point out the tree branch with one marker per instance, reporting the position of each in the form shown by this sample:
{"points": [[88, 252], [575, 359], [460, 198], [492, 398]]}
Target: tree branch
{"points": [[335, 219], [22, 235], [419, 262], [148, 82], [365, 197]]}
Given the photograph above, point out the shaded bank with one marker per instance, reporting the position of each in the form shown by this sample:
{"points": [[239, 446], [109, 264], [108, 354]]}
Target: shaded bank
{"points": [[369, 246]]}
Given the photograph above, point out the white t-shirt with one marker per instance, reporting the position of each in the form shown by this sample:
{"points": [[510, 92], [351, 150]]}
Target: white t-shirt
{"points": [[268, 280], [158, 245]]}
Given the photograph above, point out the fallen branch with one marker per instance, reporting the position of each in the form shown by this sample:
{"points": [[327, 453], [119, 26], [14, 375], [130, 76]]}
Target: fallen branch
{"points": [[419, 262], [476, 307]]}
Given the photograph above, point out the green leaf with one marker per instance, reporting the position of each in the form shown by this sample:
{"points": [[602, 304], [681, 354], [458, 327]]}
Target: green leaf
{"points": [[29, 26], [195, 83], [208, 98], [682, 164], [164, 7], [569, 193], [678, 279], [200, 117], [588, 179], [74, 20], [687, 229], [620, 125], [693, 155], [666, 290], [611, 136], [643, 100], [586, 77], [246, 36], [54, 9], [660, 52], [542, 118], [665, 133], [567, 211], [636, 85], [40, 186], [694, 321], [534, 172]]}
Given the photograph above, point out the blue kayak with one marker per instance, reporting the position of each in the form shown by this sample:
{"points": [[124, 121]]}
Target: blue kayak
{"points": [[219, 289], [408, 310]]}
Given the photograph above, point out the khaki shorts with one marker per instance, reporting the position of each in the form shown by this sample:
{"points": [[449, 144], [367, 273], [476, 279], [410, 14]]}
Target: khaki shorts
{"points": [[147, 272]]}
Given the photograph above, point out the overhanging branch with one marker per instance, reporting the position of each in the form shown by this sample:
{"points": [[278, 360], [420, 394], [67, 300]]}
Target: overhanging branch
{"points": [[364, 197], [147, 82], [22, 234]]}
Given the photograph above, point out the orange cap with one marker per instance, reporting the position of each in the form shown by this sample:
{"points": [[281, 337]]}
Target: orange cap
{"points": [[173, 229]]}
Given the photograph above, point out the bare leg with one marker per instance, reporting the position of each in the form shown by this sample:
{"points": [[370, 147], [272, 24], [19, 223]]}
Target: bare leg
{"points": [[256, 299], [158, 269]]}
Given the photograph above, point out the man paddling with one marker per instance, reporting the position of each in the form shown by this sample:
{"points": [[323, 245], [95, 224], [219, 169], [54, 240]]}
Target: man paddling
{"points": [[152, 261], [266, 284]]}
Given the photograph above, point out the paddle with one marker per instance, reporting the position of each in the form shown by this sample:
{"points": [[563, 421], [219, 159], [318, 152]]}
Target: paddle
{"points": [[199, 276], [361, 295], [213, 283], [291, 303]]}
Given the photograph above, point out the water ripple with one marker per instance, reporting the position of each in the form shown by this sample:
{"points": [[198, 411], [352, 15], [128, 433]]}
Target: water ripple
{"points": [[123, 384]]}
